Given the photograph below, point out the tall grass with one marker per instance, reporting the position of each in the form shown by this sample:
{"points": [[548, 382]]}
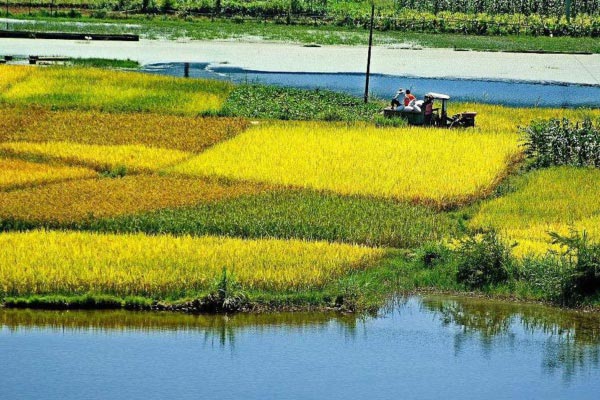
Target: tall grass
{"points": [[563, 142]]}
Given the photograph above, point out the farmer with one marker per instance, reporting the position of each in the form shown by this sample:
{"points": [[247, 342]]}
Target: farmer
{"points": [[408, 97], [395, 102], [428, 106]]}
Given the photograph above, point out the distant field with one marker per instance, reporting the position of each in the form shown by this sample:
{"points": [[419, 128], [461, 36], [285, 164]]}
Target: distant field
{"points": [[43, 262], [393, 163], [550, 200], [96, 89]]}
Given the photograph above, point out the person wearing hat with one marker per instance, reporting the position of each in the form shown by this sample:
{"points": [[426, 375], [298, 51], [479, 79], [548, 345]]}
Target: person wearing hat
{"points": [[395, 102]]}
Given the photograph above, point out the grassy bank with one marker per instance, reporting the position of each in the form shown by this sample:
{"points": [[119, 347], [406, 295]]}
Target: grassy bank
{"points": [[204, 29], [104, 63]]}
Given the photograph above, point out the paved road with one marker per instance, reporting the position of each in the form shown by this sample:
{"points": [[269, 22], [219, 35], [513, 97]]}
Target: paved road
{"points": [[266, 56]]}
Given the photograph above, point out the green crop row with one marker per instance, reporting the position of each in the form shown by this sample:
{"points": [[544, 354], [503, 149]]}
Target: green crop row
{"points": [[282, 214]]}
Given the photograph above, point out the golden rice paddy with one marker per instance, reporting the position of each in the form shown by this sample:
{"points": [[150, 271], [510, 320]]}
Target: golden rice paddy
{"points": [[133, 157], [551, 200], [41, 262], [18, 173], [415, 164], [73, 201], [36, 124], [88, 88]]}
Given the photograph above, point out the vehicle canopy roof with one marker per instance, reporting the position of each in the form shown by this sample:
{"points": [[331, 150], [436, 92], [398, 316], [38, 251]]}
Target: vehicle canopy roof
{"points": [[438, 96]]}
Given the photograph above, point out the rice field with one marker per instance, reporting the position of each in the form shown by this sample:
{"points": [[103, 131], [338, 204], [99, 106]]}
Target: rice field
{"points": [[104, 90], [284, 206], [76, 201], [10, 75], [37, 124], [414, 164], [498, 118], [134, 158], [551, 200], [41, 262], [19, 173], [293, 214]]}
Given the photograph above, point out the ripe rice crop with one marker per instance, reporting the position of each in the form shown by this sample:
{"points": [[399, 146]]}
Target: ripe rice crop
{"points": [[10, 75], [19, 173], [550, 200], [92, 127], [44, 262], [88, 88], [104, 158], [76, 201], [497, 118], [416, 164]]}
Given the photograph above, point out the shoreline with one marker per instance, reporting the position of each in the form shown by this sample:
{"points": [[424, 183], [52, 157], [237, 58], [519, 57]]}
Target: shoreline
{"points": [[207, 305], [296, 58]]}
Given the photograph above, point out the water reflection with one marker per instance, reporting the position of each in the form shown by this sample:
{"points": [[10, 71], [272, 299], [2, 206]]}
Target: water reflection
{"points": [[507, 92], [223, 328], [572, 338], [418, 347]]}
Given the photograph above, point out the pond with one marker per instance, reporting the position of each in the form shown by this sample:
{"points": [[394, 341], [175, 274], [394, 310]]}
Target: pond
{"points": [[418, 347], [511, 93]]}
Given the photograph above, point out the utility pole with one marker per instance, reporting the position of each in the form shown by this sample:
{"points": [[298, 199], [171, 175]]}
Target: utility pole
{"points": [[568, 10], [369, 56]]}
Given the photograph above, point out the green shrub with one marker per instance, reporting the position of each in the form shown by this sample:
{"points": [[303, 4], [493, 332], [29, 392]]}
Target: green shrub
{"points": [[568, 278], [562, 142], [583, 261], [483, 260], [547, 276], [432, 254]]}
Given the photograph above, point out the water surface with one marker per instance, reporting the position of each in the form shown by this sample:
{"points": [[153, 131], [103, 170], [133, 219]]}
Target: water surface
{"points": [[511, 93], [419, 348]]}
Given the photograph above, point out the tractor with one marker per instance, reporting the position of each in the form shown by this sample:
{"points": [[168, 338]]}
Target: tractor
{"points": [[414, 113]]}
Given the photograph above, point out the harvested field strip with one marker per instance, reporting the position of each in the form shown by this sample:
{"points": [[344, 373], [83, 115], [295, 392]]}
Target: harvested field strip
{"points": [[556, 199], [135, 158], [96, 89], [43, 262], [91, 127], [76, 201], [19, 173], [415, 164], [293, 214]]}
